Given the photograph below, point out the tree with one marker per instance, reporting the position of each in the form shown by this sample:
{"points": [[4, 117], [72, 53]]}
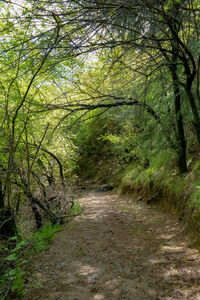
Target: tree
{"points": [[24, 60], [166, 31], [143, 43]]}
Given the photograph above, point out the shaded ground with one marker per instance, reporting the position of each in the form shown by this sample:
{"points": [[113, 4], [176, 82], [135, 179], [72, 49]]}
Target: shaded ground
{"points": [[117, 250]]}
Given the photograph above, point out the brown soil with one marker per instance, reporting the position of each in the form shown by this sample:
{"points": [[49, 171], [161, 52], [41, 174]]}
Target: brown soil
{"points": [[117, 250]]}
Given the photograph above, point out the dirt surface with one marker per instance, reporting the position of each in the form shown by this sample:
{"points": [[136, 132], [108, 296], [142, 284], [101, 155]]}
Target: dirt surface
{"points": [[117, 250]]}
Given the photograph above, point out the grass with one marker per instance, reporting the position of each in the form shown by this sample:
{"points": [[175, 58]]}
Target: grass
{"points": [[178, 194]]}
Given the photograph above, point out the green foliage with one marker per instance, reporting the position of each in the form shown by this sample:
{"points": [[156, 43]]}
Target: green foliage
{"points": [[170, 4], [77, 209], [13, 273], [16, 276], [177, 185], [17, 258], [195, 197], [47, 88], [162, 159], [41, 239], [88, 136]]}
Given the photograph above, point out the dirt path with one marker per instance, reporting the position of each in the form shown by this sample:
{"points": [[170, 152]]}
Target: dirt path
{"points": [[117, 250]]}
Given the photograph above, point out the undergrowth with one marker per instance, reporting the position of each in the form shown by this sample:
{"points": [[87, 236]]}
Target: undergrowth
{"points": [[16, 253], [77, 209], [161, 183]]}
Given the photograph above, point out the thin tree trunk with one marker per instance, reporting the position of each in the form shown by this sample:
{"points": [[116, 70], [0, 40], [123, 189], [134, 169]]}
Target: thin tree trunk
{"points": [[181, 140], [194, 111], [8, 226], [37, 215], [7, 223]]}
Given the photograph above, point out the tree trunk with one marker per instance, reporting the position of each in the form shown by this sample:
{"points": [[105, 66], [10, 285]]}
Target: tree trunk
{"points": [[37, 215], [7, 223], [181, 141], [195, 112], [8, 226]]}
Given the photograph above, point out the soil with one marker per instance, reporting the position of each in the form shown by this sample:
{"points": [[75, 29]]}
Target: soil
{"points": [[117, 249]]}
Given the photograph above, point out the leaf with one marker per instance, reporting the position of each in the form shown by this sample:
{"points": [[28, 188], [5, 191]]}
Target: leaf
{"points": [[19, 246], [11, 257], [14, 238], [10, 274]]}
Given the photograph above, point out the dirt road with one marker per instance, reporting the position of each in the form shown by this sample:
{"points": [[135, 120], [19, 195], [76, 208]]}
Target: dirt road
{"points": [[117, 250]]}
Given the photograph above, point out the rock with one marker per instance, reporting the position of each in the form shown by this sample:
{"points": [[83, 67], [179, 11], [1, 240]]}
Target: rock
{"points": [[105, 188]]}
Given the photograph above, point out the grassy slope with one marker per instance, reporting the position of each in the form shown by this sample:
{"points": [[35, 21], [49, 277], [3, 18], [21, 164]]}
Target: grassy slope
{"points": [[161, 184]]}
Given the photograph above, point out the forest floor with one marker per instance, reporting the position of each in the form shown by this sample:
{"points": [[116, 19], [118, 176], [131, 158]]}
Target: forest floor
{"points": [[117, 250]]}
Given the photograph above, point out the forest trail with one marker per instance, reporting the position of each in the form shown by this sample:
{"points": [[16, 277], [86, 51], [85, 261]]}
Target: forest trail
{"points": [[117, 250]]}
